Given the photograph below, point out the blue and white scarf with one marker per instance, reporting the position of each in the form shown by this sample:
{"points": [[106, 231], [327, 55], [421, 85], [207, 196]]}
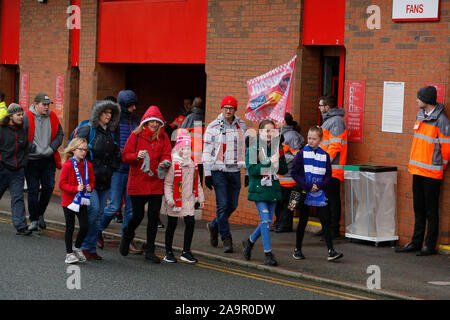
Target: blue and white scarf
{"points": [[82, 197], [315, 169]]}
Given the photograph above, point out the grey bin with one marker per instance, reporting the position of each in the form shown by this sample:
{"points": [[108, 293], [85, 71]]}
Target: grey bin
{"points": [[370, 202]]}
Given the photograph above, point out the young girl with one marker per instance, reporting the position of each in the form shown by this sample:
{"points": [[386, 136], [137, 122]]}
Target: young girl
{"points": [[264, 162], [76, 182], [182, 189], [312, 172], [148, 152]]}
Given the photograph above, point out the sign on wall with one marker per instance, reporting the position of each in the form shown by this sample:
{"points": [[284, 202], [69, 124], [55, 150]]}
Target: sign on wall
{"points": [[393, 99], [415, 10], [440, 88], [59, 96], [24, 90], [355, 110]]}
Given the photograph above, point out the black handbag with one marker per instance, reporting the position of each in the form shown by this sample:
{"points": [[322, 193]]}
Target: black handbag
{"points": [[296, 199]]}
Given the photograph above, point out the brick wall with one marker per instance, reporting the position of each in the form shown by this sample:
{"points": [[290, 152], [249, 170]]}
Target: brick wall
{"points": [[245, 39], [413, 52]]}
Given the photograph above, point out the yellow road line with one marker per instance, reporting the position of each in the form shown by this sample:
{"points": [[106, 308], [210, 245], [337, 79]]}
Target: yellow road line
{"points": [[242, 273]]}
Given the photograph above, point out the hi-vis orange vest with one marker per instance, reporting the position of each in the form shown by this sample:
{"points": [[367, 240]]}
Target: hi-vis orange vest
{"points": [[177, 122], [197, 143], [287, 182], [430, 150], [334, 140]]}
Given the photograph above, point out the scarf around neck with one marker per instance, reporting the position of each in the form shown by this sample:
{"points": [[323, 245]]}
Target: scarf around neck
{"points": [[82, 197], [315, 163], [180, 165]]}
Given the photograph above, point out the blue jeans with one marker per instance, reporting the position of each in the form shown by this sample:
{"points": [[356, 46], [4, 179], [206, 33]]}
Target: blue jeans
{"points": [[118, 192], [39, 172], [14, 181], [95, 210], [227, 186], [266, 210]]}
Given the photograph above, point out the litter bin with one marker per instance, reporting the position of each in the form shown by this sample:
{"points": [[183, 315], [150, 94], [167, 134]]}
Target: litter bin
{"points": [[370, 202]]}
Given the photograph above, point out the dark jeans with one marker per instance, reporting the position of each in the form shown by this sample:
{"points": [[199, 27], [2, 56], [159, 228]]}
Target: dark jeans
{"points": [[283, 215], [154, 205], [227, 186], [14, 179], [189, 222], [324, 215], [69, 215], [39, 172], [426, 209], [333, 194]]}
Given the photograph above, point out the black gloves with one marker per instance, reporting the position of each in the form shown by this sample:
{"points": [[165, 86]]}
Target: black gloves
{"points": [[209, 182], [246, 181]]}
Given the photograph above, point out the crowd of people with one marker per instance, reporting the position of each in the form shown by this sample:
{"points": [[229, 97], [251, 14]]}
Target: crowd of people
{"points": [[116, 159]]}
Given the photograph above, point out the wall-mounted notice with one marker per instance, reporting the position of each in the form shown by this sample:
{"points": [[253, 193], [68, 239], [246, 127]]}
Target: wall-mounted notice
{"points": [[24, 90], [415, 10], [355, 110], [393, 98], [59, 96]]}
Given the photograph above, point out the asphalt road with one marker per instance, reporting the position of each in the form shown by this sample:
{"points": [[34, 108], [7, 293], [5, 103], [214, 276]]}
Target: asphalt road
{"points": [[33, 268]]}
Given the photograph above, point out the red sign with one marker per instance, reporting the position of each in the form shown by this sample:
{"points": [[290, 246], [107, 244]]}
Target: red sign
{"points": [[270, 94], [440, 88], [355, 110], [59, 96], [24, 90]]}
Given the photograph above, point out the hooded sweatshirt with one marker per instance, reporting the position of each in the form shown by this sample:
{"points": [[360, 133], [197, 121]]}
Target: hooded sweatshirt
{"points": [[42, 146]]}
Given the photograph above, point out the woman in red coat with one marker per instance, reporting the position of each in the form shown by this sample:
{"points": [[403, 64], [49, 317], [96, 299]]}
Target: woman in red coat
{"points": [[148, 152]]}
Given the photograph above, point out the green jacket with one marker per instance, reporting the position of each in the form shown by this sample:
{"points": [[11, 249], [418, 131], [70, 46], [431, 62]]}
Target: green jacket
{"points": [[256, 192]]}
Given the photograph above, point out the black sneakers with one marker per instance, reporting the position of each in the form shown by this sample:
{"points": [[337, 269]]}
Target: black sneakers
{"points": [[270, 261], [213, 234], [247, 251], [333, 255], [23, 232], [228, 245], [188, 257], [152, 257], [169, 257], [298, 255]]}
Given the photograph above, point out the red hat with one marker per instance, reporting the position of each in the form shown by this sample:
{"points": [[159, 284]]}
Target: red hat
{"points": [[229, 101]]}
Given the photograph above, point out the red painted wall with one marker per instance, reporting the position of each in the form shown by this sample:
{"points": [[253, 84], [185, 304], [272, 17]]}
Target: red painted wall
{"points": [[10, 31], [148, 31], [324, 22]]}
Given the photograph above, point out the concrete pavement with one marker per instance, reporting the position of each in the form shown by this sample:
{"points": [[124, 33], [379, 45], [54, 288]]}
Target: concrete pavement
{"points": [[403, 276]]}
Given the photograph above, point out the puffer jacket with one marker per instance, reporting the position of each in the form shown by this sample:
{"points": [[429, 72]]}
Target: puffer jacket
{"points": [[104, 153], [159, 150], [14, 147]]}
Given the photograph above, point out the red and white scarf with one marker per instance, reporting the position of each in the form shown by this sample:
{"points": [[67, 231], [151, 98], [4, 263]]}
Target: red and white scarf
{"points": [[178, 185]]}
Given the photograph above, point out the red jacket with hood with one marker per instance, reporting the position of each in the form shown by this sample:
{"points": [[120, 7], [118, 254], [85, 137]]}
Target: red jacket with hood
{"points": [[160, 149]]}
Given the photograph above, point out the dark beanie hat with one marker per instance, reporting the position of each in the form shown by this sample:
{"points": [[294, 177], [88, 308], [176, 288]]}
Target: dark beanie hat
{"points": [[427, 95]]}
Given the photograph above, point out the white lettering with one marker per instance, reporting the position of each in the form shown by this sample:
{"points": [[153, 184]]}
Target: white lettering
{"points": [[374, 21]]}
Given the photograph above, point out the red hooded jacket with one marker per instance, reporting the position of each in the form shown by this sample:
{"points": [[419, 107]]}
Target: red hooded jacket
{"points": [[68, 182], [160, 149]]}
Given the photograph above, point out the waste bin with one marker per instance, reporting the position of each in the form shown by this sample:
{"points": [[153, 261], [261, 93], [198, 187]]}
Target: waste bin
{"points": [[370, 202]]}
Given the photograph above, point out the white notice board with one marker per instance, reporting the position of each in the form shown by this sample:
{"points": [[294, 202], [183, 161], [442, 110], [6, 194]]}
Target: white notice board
{"points": [[393, 97]]}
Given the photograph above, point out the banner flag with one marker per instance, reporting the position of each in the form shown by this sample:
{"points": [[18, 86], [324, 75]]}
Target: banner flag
{"points": [[270, 94]]}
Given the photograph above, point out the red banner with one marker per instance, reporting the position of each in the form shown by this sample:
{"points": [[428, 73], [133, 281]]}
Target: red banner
{"points": [[24, 90], [270, 94], [440, 88], [59, 96], [355, 110]]}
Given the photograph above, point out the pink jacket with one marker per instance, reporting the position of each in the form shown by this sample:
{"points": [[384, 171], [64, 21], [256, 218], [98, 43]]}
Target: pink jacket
{"points": [[187, 193]]}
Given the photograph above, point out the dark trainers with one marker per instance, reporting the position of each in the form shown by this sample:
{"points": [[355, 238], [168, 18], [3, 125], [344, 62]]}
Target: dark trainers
{"points": [[247, 251], [298, 255], [152, 257], [213, 234], [188, 257], [23, 232], [42, 223], [169, 257], [333, 255], [228, 245], [125, 245], [270, 261]]}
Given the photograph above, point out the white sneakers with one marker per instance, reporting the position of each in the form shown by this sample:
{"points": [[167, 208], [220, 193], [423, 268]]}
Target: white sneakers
{"points": [[76, 256]]}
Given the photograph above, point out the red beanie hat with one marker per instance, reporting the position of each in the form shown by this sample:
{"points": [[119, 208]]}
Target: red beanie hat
{"points": [[229, 101]]}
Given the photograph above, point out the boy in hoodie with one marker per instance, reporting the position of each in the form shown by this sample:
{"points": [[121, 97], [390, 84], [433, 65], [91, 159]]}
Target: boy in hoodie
{"points": [[335, 144], [45, 135], [127, 100]]}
